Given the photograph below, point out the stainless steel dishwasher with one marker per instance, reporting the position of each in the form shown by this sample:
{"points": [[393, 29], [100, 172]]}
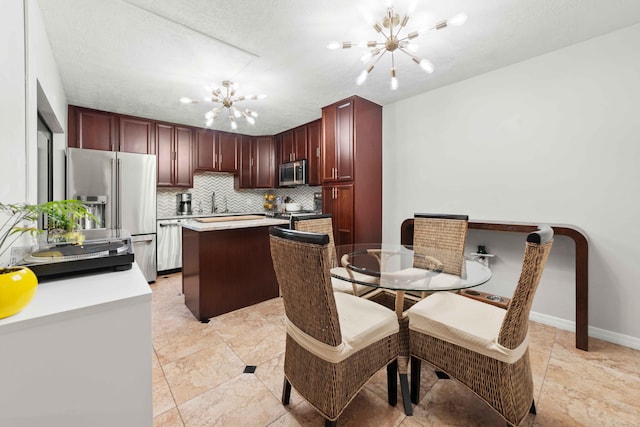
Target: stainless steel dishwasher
{"points": [[170, 244]]}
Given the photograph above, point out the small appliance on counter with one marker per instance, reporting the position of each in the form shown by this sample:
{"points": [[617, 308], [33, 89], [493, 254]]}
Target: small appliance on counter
{"points": [[102, 249], [183, 204], [317, 202]]}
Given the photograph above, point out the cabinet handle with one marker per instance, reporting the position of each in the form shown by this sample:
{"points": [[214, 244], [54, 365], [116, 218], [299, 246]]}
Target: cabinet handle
{"points": [[251, 163], [215, 160], [318, 152]]}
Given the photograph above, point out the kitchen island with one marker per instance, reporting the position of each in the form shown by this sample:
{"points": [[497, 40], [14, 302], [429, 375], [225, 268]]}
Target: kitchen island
{"points": [[226, 265], [79, 354]]}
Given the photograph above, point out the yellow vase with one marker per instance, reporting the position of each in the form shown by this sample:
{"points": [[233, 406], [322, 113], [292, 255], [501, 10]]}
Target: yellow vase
{"points": [[17, 287]]}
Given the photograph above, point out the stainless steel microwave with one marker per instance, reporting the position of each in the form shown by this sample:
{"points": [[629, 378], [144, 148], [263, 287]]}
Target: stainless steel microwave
{"points": [[293, 173]]}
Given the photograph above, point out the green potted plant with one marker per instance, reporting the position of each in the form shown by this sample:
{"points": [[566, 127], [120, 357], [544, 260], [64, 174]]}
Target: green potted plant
{"points": [[18, 283]]}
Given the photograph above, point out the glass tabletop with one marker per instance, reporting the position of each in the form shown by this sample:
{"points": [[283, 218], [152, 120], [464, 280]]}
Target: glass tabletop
{"points": [[391, 266]]}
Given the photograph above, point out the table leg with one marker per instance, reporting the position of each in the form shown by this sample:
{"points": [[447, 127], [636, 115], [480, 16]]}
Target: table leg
{"points": [[403, 357]]}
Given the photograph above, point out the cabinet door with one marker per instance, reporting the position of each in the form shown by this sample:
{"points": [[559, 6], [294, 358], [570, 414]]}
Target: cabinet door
{"points": [[245, 175], [344, 141], [300, 143], [205, 149], [314, 140], [136, 136], [338, 201], [287, 147], [227, 154], [263, 162], [96, 130], [164, 154], [328, 143], [183, 157]]}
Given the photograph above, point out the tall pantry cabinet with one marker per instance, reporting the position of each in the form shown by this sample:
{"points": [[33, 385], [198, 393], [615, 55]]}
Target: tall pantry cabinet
{"points": [[352, 169]]}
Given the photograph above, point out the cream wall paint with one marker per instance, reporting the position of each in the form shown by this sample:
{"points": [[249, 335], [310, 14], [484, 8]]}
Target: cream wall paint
{"points": [[551, 139]]}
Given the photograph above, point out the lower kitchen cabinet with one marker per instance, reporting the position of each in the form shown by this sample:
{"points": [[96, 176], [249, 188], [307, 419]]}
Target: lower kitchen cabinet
{"points": [[224, 270], [337, 200]]}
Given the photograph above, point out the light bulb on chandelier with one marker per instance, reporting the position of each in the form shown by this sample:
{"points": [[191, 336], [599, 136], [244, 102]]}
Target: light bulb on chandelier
{"points": [[226, 95], [391, 27]]}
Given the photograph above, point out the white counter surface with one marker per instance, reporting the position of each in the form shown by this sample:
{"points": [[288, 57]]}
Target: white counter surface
{"points": [[207, 215], [228, 225], [75, 295]]}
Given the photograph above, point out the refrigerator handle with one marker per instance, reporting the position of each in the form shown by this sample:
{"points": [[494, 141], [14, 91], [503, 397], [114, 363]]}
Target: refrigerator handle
{"points": [[118, 192], [113, 203]]}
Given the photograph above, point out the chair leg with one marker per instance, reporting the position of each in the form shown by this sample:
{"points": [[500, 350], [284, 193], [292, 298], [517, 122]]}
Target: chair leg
{"points": [[392, 382], [286, 391], [329, 423], [416, 365], [532, 410]]}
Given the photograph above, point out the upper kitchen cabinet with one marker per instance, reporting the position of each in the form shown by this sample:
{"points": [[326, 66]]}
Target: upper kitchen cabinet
{"points": [[174, 149], [216, 151], [257, 162], [92, 129], [136, 135], [294, 144], [337, 141], [314, 144]]}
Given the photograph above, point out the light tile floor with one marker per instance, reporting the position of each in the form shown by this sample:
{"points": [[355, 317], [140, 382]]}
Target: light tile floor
{"points": [[198, 377]]}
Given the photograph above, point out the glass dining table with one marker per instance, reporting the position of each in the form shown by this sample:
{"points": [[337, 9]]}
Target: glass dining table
{"points": [[395, 281]]}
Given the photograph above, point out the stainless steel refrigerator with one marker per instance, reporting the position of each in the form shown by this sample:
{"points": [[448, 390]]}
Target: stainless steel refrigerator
{"points": [[125, 186]]}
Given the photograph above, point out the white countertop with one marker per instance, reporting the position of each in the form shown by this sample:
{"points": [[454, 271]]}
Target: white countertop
{"points": [[208, 215], [228, 225], [79, 295]]}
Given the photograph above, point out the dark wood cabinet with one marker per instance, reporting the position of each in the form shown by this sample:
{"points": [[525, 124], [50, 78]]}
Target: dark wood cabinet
{"points": [[264, 162], [228, 144], [338, 200], [136, 135], [205, 149], [314, 144], [216, 151], [352, 185], [338, 141], [257, 162], [174, 149], [293, 144], [92, 129]]}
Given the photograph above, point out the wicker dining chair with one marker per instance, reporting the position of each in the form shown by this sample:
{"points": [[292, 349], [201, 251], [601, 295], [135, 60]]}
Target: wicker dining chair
{"points": [[440, 236], [484, 347], [322, 223], [335, 342]]}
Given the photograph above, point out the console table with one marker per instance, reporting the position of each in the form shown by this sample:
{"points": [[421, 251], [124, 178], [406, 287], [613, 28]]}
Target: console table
{"points": [[581, 266]]}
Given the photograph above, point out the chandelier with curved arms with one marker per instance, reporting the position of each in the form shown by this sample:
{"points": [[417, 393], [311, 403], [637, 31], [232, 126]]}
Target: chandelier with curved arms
{"points": [[392, 26]]}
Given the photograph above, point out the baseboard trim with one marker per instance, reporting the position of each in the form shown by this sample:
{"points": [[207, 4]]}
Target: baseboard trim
{"points": [[601, 334]]}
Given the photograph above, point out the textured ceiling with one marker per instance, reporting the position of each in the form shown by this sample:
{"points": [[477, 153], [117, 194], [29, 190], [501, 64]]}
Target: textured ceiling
{"points": [[139, 57]]}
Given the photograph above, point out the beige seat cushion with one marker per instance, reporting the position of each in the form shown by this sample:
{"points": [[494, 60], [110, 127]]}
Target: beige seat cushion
{"points": [[346, 286], [362, 323], [465, 322]]}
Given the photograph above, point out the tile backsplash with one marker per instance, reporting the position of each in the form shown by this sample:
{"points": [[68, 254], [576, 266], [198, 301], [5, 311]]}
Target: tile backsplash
{"points": [[251, 200]]}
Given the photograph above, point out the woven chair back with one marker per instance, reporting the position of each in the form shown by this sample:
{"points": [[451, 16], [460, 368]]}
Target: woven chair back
{"points": [[516, 321], [302, 270], [442, 238], [323, 226]]}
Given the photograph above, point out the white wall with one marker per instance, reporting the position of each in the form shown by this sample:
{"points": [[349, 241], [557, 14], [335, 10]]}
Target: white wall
{"points": [[12, 102], [18, 102], [551, 139]]}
